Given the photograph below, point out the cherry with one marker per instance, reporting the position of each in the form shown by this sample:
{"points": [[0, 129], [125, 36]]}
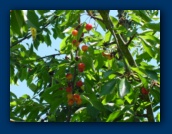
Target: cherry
{"points": [[76, 97], [79, 83], [81, 67], [69, 89], [70, 96], [144, 91], [78, 102], [70, 102], [88, 27], [75, 32], [75, 43], [84, 48], [69, 76]]}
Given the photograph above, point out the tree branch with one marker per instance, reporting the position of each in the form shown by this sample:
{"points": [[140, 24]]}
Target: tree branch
{"points": [[131, 38]]}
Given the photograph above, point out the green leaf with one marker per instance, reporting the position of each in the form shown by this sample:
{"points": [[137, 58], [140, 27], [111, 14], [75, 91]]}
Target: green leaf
{"points": [[13, 104], [101, 24], [158, 117], [107, 36], [55, 104], [148, 48], [156, 95], [108, 87], [42, 12], [154, 26], [25, 96], [91, 98], [139, 71], [113, 116], [63, 44], [107, 73], [124, 87], [59, 12], [144, 16], [12, 95], [48, 40], [150, 38], [151, 74], [17, 21], [88, 61], [33, 87], [32, 115], [114, 20], [48, 90], [32, 19], [98, 61], [80, 31]]}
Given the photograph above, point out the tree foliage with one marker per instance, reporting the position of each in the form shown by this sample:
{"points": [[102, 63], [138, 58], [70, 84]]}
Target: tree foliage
{"points": [[119, 81]]}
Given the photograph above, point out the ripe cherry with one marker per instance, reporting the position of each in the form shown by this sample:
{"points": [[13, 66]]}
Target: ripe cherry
{"points": [[79, 83], [78, 102], [69, 89], [75, 43], [75, 32], [144, 91], [69, 76], [70, 102], [84, 48], [88, 27], [81, 67], [76, 97]]}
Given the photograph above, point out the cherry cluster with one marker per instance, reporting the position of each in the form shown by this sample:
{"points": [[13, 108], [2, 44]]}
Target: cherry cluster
{"points": [[72, 97]]}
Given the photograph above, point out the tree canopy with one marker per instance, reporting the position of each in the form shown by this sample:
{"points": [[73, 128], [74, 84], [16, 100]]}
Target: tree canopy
{"points": [[105, 69]]}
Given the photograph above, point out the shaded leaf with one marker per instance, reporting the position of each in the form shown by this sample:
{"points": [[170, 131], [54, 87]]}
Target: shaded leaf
{"points": [[108, 87], [32, 19]]}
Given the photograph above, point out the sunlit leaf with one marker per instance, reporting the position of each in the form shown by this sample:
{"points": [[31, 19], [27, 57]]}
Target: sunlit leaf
{"points": [[124, 87]]}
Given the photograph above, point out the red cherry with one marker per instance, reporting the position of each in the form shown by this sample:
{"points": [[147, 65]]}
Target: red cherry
{"points": [[75, 32], [144, 91], [79, 83], [75, 43], [81, 67], [70, 102], [69, 89], [76, 97], [88, 27], [84, 48]]}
